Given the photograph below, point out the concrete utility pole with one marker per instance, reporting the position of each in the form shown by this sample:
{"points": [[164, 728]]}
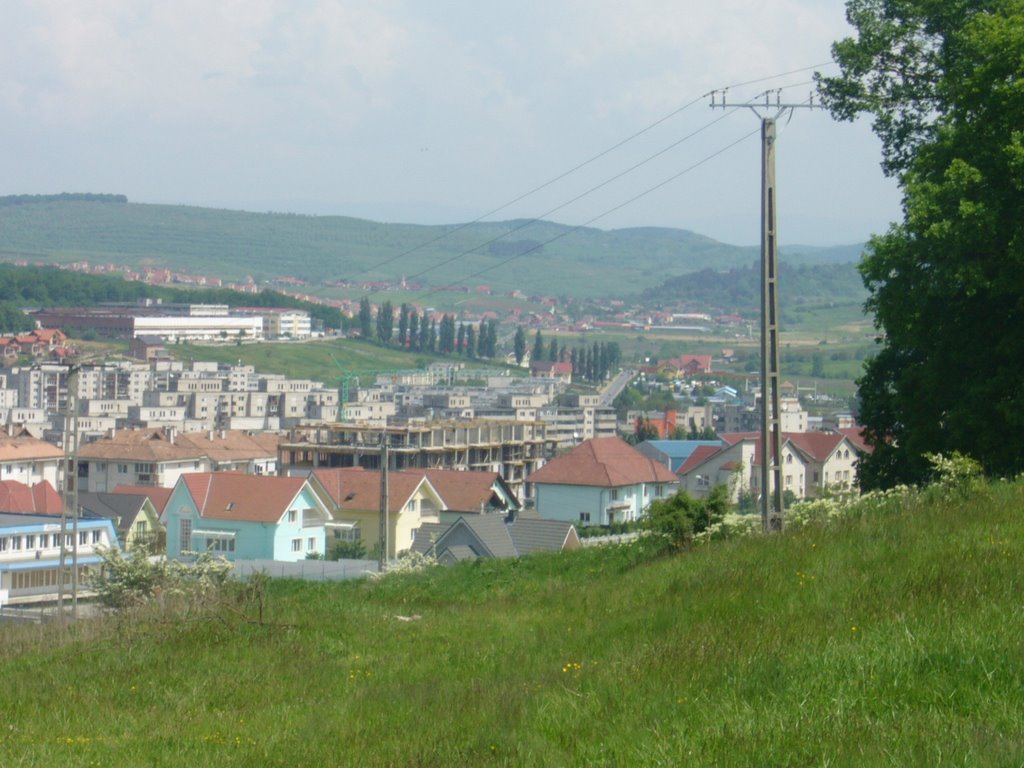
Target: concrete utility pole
{"points": [[383, 500], [771, 435]]}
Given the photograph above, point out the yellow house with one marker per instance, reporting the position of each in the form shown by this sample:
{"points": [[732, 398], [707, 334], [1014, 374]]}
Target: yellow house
{"points": [[353, 495]]}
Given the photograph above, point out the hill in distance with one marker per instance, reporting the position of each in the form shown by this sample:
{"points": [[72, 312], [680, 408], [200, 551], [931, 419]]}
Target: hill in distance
{"points": [[537, 257]]}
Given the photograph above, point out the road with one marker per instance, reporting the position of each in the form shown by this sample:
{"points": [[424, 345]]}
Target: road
{"points": [[615, 386]]}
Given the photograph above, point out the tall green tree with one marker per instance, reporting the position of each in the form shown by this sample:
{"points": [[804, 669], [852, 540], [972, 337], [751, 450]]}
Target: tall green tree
{"points": [[538, 347], [365, 318], [519, 345], [941, 80], [403, 324]]}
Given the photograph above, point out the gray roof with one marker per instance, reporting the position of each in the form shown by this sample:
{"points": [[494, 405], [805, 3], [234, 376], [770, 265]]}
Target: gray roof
{"points": [[425, 536], [122, 508], [491, 536], [536, 535]]}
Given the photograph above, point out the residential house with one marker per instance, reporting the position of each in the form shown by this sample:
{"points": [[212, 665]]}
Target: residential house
{"points": [[673, 453], [30, 555], [736, 464], [602, 481], [353, 496], [160, 456], [831, 459], [245, 517], [472, 493], [41, 498], [134, 516], [29, 460], [481, 536]]}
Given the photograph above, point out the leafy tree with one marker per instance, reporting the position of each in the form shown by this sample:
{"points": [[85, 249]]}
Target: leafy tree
{"points": [[519, 345], [414, 332], [385, 322], [365, 318], [403, 324], [553, 350], [942, 83], [470, 341], [460, 339], [347, 550], [538, 347], [678, 518]]}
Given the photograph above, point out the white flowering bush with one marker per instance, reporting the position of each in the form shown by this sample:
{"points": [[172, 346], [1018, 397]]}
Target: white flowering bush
{"points": [[954, 476], [410, 562], [127, 581]]}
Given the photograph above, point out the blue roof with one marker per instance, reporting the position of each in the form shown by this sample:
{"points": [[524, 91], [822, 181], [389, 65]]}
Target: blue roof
{"points": [[678, 451]]}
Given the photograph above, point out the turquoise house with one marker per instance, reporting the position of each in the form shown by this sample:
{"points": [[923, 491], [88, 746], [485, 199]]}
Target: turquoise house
{"points": [[245, 517]]}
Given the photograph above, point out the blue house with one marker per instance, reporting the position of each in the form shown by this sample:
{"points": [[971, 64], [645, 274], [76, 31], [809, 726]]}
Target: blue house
{"points": [[245, 517]]}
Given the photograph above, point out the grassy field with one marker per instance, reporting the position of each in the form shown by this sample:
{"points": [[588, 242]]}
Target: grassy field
{"points": [[895, 638], [323, 361]]}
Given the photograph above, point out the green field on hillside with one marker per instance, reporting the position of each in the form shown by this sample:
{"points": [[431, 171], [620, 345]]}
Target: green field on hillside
{"points": [[325, 360], [537, 257], [892, 638]]}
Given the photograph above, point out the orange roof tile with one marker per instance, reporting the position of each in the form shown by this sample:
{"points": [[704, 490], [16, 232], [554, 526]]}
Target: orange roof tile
{"points": [[355, 488], [25, 448], [606, 462], [236, 496]]}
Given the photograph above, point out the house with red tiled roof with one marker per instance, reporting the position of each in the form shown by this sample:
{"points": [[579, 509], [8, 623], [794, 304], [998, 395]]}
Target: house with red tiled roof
{"points": [[41, 498], [29, 460], [160, 456], [601, 481], [353, 497], [245, 517], [737, 466], [811, 463], [549, 369], [472, 493]]}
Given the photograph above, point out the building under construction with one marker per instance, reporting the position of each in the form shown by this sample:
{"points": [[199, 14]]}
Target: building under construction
{"points": [[513, 449]]}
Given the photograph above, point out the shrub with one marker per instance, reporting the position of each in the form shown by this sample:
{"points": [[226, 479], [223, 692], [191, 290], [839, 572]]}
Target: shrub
{"points": [[677, 519]]}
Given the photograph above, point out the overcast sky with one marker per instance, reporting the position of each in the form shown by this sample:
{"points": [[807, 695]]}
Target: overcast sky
{"points": [[436, 111]]}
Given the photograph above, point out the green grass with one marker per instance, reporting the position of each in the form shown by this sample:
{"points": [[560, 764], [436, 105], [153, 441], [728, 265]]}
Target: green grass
{"points": [[323, 361], [894, 639]]}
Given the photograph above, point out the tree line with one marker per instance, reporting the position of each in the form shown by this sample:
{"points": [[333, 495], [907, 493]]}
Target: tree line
{"points": [[417, 332]]}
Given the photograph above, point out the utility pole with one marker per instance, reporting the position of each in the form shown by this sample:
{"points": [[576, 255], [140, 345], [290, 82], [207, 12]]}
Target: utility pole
{"points": [[771, 434], [383, 500]]}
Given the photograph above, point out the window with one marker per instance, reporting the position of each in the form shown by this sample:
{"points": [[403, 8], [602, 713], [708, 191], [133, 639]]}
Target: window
{"points": [[185, 534], [584, 517], [613, 494], [83, 538], [219, 544], [30, 541], [789, 458], [296, 545], [122, 469], [4, 542], [659, 489], [292, 515], [16, 542], [410, 505], [348, 534], [311, 544], [96, 537], [789, 481], [44, 540]]}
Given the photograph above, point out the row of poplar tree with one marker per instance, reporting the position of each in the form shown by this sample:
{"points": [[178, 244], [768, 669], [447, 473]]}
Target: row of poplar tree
{"points": [[420, 333]]}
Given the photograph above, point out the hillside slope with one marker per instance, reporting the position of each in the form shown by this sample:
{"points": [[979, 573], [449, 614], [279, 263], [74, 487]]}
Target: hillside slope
{"points": [[537, 257], [896, 638]]}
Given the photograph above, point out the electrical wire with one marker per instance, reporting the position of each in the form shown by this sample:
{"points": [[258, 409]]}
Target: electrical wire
{"points": [[541, 217], [574, 169], [587, 223]]}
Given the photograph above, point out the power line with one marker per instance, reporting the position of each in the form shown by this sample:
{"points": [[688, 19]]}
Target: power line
{"points": [[587, 223], [606, 182], [574, 169]]}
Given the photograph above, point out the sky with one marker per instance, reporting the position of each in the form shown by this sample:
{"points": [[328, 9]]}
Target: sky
{"points": [[440, 111]]}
